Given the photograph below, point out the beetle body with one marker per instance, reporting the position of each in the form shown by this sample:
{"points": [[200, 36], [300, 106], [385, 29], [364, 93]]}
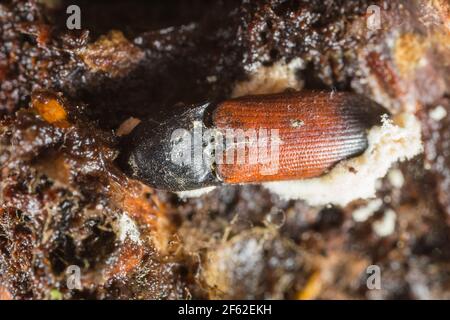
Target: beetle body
{"points": [[252, 139]]}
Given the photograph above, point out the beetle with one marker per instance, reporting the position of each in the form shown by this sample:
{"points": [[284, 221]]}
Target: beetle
{"points": [[303, 135]]}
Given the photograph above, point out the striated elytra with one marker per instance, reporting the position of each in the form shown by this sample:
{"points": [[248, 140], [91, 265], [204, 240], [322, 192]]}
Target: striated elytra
{"points": [[252, 139]]}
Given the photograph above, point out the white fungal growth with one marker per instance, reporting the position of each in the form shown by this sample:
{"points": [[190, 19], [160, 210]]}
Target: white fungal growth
{"points": [[363, 213], [195, 193], [438, 113], [272, 79], [386, 225], [396, 178], [128, 229]]}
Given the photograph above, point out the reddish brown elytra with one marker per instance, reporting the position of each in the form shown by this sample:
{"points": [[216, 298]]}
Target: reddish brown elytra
{"points": [[315, 131]]}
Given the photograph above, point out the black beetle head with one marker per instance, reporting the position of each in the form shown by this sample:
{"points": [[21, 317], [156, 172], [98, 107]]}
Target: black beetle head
{"points": [[169, 155]]}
